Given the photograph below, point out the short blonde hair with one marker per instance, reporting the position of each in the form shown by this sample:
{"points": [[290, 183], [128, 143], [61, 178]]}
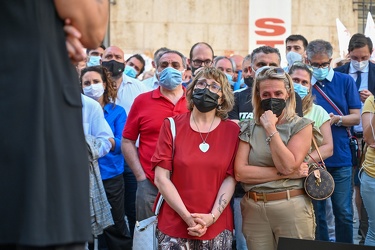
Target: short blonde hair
{"points": [[227, 97], [270, 73]]}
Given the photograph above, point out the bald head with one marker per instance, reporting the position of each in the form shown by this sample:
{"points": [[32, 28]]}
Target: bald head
{"points": [[201, 54], [113, 53], [237, 59]]}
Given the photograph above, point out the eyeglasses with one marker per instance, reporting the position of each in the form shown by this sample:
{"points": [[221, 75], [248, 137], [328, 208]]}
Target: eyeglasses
{"points": [[278, 72], [300, 65], [198, 63], [322, 65], [202, 84]]}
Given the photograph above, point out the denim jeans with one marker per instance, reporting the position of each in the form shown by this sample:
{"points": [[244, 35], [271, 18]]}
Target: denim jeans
{"points": [[240, 239], [341, 205], [367, 192], [330, 221]]}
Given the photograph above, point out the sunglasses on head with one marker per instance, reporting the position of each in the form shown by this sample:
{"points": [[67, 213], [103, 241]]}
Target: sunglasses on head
{"points": [[274, 70], [302, 65]]}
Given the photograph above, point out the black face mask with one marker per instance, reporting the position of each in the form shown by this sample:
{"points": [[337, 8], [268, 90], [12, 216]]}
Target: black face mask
{"points": [[193, 70], [205, 100], [249, 81], [276, 105], [115, 67]]}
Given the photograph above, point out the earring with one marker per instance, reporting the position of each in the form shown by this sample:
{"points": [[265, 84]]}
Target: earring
{"points": [[219, 107]]}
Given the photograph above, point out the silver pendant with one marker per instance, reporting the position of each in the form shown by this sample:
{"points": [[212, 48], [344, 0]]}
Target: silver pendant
{"points": [[204, 147]]}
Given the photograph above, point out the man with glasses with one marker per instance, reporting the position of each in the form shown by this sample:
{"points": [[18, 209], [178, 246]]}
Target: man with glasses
{"points": [[262, 56], [335, 89], [201, 54], [145, 119]]}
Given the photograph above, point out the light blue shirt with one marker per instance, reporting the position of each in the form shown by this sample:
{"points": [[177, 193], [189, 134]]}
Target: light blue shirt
{"points": [[364, 76], [364, 85]]}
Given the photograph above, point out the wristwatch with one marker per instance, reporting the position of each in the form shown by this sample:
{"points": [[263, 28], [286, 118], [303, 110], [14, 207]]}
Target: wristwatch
{"points": [[339, 123]]}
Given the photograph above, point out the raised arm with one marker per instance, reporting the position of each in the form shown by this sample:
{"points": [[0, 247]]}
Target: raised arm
{"points": [[90, 17]]}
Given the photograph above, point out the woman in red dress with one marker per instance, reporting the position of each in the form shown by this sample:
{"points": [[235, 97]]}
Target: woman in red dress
{"points": [[197, 180]]}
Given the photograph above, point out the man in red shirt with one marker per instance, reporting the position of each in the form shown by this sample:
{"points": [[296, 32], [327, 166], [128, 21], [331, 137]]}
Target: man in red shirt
{"points": [[145, 119]]}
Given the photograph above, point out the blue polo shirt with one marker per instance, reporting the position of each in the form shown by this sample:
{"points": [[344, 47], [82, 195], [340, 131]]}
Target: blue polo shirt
{"points": [[341, 89], [112, 164]]}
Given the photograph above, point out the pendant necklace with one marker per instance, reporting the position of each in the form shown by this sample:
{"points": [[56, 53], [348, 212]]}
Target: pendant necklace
{"points": [[204, 146]]}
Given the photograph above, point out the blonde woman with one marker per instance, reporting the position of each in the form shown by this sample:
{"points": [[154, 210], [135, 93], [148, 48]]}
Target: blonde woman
{"points": [[269, 164]]}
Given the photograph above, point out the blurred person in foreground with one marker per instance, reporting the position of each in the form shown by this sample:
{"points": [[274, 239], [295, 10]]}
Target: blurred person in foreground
{"points": [[44, 181]]}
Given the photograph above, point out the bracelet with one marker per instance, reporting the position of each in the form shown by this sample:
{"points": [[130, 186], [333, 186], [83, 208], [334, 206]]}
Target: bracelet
{"points": [[213, 218], [268, 139]]}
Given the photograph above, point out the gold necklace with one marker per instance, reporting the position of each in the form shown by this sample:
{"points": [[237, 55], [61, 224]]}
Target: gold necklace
{"points": [[204, 146]]}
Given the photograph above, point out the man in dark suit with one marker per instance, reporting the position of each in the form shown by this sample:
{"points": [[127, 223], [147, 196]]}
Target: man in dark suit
{"points": [[360, 67], [363, 72]]}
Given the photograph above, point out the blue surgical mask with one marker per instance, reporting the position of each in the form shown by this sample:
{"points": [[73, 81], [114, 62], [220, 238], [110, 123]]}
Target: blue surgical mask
{"points": [[130, 71], [93, 61], [320, 73], [301, 90], [293, 57], [230, 79], [170, 78]]}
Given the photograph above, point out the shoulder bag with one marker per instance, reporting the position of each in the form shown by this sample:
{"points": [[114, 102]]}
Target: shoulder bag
{"points": [[319, 183], [145, 230]]}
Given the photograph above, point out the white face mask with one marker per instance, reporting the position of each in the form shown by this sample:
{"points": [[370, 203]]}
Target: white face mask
{"points": [[94, 91], [359, 65]]}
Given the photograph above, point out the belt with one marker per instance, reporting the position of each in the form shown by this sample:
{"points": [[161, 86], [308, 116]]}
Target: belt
{"points": [[265, 197]]}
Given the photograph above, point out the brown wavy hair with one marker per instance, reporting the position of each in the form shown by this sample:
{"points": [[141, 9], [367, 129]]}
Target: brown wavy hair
{"points": [[227, 97], [110, 93]]}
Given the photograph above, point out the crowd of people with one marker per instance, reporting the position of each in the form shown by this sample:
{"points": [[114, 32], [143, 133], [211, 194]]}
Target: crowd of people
{"points": [[234, 171], [252, 172]]}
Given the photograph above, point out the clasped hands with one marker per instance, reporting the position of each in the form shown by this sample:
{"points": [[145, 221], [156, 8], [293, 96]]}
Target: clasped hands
{"points": [[198, 224]]}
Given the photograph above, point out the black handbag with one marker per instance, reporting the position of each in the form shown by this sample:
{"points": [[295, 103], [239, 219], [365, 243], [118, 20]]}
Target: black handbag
{"points": [[354, 149], [319, 183]]}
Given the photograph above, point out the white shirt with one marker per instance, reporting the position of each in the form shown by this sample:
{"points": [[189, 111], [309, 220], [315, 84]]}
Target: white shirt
{"points": [[129, 89], [151, 83], [95, 124], [363, 85]]}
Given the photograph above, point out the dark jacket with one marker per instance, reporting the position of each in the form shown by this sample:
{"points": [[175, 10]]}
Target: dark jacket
{"points": [[371, 74]]}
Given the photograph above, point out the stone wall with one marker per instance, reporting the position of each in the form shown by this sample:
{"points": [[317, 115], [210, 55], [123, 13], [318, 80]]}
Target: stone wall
{"points": [[144, 26]]}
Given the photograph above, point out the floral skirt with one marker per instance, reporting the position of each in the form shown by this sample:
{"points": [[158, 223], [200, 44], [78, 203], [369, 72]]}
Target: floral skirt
{"points": [[222, 241]]}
